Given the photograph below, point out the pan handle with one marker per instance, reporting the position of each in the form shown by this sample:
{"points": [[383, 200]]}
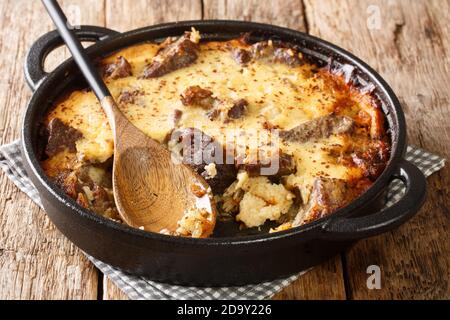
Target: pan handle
{"points": [[342, 228], [35, 60]]}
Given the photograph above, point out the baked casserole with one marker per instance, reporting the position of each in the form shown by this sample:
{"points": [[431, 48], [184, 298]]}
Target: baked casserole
{"points": [[279, 139]]}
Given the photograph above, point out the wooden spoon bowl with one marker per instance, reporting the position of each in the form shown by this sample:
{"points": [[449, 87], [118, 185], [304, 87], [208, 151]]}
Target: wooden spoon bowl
{"points": [[150, 189]]}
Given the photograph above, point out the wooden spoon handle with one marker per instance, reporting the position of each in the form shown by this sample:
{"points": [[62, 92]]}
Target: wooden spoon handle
{"points": [[77, 50], [79, 55]]}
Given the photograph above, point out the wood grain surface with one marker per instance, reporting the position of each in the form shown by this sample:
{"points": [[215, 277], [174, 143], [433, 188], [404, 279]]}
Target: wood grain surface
{"points": [[406, 41]]}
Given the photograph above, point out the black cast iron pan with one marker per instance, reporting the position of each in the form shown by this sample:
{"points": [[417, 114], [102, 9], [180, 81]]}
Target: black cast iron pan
{"points": [[224, 260]]}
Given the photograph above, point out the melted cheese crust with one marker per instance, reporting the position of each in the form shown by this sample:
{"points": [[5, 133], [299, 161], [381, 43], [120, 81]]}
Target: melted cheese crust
{"points": [[276, 93]]}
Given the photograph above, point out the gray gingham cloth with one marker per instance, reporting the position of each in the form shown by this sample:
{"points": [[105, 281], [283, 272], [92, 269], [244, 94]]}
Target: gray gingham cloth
{"points": [[141, 288]]}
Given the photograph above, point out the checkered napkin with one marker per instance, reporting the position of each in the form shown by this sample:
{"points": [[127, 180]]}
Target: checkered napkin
{"points": [[141, 288]]}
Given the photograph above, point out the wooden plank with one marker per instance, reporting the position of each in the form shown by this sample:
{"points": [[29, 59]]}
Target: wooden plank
{"points": [[36, 261], [283, 13], [111, 291], [408, 42], [325, 281], [141, 13], [132, 14]]}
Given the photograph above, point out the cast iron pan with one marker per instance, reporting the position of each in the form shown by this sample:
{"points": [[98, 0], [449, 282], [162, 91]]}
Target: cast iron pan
{"points": [[224, 259]]}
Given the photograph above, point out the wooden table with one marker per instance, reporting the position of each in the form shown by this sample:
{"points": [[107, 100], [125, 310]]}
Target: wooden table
{"points": [[407, 41]]}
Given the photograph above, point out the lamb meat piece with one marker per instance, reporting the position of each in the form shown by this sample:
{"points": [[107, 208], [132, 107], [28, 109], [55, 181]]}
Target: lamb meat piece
{"points": [[200, 150], [128, 96], [197, 148], [120, 69], [90, 193], [269, 52], [373, 160], [266, 50], [322, 127], [226, 175], [283, 164], [286, 165], [241, 56], [198, 97], [174, 56], [102, 201], [262, 50], [329, 195], [238, 110], [68, 182], [287, 56], [61, 137], [91, 175]]}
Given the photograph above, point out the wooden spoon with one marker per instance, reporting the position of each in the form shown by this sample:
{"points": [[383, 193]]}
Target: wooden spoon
{"points": [[150, 190]]}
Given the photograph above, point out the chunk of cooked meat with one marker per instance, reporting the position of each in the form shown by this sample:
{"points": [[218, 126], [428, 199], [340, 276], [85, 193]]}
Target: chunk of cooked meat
{"points": [[102, 202], [319, 128], [100, 174], [224, 177], [199, 150], [241, 56], [372, 160], [129, 96], [197, 97], [126, 97], [286, 165], [174, 56], [91, 187], [287, 56], [282, 163], [61, 137], [266, 50], [238, 110], [327, 196], [68, 182], [222, 110], [120, 69]]}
